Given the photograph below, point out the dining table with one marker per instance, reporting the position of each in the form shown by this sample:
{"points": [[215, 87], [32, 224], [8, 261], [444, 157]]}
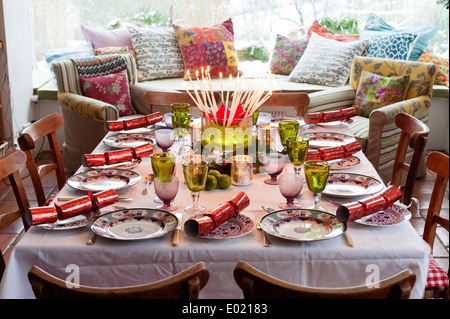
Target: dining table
{"points": [[378, 252]]}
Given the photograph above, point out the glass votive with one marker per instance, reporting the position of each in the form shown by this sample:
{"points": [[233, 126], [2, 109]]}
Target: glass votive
{"points": [[267, 136], [242, 170]]}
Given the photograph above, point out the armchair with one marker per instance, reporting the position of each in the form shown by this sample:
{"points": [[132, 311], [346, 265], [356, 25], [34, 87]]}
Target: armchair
{"points": [[378, 134], [84, 117]]}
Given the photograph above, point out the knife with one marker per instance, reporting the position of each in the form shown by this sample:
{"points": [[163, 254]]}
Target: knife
{"points": [[177, 231], [268, 209], [67, 198]]}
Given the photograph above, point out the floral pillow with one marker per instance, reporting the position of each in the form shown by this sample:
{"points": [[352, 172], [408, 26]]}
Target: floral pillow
{"points": [[208, 46], [441, 77], [326, 33], [375, 91], [113, 89], [120, 50], [286, 54]]}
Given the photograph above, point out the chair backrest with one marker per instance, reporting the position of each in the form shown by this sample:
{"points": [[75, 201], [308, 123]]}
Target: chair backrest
{"points": [[438, 163], [184, 285], [258, 285], [414, 134], [9, 167], [298, 100], [67, 75], [421, 74], [46, 126]]}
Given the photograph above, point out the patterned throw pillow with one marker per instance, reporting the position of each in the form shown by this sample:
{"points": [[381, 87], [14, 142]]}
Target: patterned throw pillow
{"points": [[286, 54], [208, 46], [120, 50], [319, 29], [375, 24], [375, 91], [441, 77], [112, 89], [326, 61], [157, 52], [389, 45]]}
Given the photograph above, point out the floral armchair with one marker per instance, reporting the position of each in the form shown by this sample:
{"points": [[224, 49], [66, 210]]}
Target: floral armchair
{"points": [[378, 133], [84, 117]]}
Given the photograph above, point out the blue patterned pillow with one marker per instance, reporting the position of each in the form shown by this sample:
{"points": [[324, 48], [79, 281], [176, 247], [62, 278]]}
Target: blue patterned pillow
{"points": [[326, 61], [375, 24], [389, 45]]}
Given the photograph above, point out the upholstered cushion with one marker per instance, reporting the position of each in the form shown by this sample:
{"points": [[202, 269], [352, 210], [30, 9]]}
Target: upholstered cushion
{"points": [[376, 91], [426, 33], [286, 54], [157, 52], [56, 55], [120, 50], [326, 61], [113, 89], [389, 45], [319, 29], [437, 277], [107, 38], [208, 46], [441, 77]]}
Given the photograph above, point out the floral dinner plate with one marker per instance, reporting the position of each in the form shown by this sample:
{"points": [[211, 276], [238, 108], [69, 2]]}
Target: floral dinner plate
{"points": [[134, 224], [391, 216], [103, 179], [126, 140], [343, 163], [351, 185], [236, 226], [327, 139], [302, 225]]}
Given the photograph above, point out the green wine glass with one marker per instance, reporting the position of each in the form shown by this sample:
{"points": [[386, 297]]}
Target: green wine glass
{"points": [[195, 171], [181, 124], [297, 149], [316, 173], [287, 128], [163, 166], [180, 108]]}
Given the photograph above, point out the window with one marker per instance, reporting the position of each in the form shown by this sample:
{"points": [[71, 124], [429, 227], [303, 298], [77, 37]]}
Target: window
{"points": [[257, 22]]}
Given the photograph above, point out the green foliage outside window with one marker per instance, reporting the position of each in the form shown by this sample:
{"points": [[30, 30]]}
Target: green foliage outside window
{"points": [[346, 25]]}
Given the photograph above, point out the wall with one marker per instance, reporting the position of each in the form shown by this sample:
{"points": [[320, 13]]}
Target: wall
{"points": [[16, 65]]}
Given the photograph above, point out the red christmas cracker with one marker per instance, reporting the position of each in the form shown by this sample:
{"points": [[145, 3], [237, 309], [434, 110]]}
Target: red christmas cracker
{"points": [[104, 198], [138, 122], [75, 207], [322, 117], [352, 147], [331, 153], [356, 210], [119, 156], [88, 160], [42, 215], [142, 151], [217, 216], [313, 155]]}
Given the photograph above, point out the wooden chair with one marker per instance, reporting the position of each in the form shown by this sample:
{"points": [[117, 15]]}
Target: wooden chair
{"points": [[298, 100], [9, 167], [439, 164], [184, 285], [258, 285], [414, 134], [27, 142]]}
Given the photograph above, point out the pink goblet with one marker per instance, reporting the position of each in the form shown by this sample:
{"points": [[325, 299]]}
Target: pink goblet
{"points": [[166, 191], [164, 138], [290, 187]]}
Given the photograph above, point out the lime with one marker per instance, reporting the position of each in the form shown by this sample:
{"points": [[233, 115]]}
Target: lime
{"points": [[214, 173], [211, 182], [224, 181]]}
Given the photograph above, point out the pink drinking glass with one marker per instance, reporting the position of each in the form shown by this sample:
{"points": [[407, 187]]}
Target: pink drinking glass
{"points": [[164, 138], [273, 165], [166, 191], [290, 187]]}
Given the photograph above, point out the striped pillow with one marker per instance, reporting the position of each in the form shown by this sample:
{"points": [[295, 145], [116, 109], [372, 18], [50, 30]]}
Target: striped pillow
{"points": [[84, 51]]}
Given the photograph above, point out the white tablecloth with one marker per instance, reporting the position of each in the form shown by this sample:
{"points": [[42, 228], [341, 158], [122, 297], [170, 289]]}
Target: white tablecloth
{"points": [[328, 263]]}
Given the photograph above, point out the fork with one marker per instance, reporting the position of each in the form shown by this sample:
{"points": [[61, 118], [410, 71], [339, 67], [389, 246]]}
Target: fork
{"points": [[266, 242]]}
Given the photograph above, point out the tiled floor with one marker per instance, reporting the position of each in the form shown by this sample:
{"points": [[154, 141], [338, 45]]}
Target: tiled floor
{"points": [[422, 190]]}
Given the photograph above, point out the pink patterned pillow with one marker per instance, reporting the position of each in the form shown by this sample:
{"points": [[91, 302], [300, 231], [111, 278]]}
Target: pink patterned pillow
{"points": [[326, 33], [113, 89], [286, 54]]}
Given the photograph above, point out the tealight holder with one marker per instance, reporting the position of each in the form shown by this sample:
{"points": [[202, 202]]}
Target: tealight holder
{"points": [[242, 170]]}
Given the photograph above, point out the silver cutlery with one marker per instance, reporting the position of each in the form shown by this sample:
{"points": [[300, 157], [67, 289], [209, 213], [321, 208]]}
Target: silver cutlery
{"points": [[177, 231], [67, 198], [266, 240], [149, 178], [347, 236]]}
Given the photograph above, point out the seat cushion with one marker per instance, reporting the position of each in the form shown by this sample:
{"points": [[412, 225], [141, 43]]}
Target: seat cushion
{"points": [[360, 129], [437, 277]]}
